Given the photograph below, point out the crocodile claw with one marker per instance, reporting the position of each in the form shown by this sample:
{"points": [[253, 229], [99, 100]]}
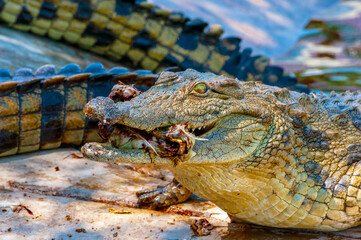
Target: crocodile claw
{"points": [[161, 197]]}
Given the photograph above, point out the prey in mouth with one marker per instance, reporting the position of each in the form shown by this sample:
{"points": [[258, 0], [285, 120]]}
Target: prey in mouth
{"points": [[183, 116], [173, 142]]}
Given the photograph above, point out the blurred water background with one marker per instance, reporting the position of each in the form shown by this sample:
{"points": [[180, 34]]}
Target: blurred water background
{"points": [[319, 41], [269, 26]]}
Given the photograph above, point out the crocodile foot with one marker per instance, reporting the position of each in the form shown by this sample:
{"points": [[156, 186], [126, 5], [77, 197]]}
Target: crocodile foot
{"points": [[172, 193]]}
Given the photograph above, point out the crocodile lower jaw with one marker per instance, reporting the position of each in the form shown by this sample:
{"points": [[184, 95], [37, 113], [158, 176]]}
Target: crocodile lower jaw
{"points": [[128, 145], [105, 152]]}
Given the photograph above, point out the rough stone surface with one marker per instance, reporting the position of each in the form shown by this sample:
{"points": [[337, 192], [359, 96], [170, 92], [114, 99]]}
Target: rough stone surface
{"points": [[53, 194]]}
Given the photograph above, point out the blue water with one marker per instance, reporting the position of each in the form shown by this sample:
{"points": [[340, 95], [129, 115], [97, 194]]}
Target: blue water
{"points": [[270, 27]]}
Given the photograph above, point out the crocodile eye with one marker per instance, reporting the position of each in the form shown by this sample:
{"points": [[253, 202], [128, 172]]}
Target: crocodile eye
{"points": [[201, 88]]}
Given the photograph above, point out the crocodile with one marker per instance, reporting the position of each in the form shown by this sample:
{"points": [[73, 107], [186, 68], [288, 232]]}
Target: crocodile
{"points": [[265, 155], [141, 35]]}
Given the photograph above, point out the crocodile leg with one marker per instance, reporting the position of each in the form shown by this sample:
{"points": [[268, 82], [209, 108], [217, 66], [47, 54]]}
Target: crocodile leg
{"points": [[172, 193]]}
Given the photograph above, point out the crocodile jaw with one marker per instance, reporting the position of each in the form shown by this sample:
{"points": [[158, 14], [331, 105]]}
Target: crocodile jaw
{"points": [[105, 152], [129, 145]]}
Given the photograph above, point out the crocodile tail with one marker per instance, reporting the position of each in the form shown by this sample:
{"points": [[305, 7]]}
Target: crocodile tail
{"points": [[44, 109], [142, 35]]}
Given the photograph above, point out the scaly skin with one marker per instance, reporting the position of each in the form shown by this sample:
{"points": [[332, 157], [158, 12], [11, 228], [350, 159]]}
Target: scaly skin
{"points": [[274, 157], [44, 109]]}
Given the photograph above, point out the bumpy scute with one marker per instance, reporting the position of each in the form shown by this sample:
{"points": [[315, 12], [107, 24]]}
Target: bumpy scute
{"points": [[44, 109]]}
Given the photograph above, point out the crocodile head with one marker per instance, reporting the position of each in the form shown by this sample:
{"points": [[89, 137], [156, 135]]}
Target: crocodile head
{"points": [[212, 119]]}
